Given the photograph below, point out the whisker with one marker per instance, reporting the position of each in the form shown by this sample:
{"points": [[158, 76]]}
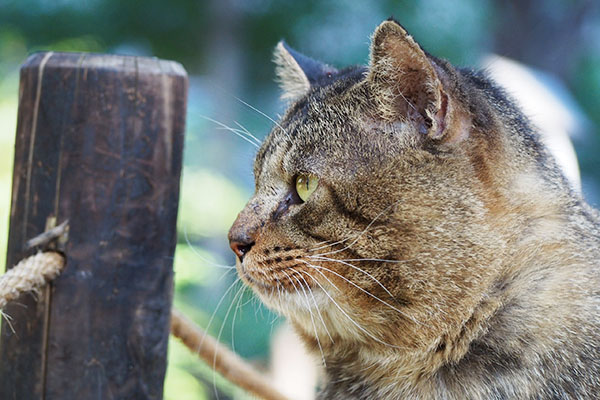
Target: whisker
{"points": [[322, 274], [311, 315], [233, 130], [238, 306], [408, 102], [247, 132], [354, 322], [197, 253], [327, 243], [321, 258], [380, 260], [263, 114], [212, 317], [323, 242], [316, 305], [226, 274], [219, 338], [364, 230], [367, 292]]}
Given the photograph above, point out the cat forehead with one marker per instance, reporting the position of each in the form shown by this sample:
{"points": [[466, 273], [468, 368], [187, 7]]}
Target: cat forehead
{"points": [[329, 103], [333, 124], [319, 111], [332, 141]]}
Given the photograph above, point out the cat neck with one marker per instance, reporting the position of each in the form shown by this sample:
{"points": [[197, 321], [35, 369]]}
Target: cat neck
{"points": [[359, 371], [356, 370]]}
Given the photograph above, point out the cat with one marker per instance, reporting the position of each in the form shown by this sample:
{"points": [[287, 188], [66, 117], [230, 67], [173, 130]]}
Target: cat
{"points": [[420, 239]]}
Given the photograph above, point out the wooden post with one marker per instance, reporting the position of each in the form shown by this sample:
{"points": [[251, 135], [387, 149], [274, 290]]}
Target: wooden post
{"points": [[99, 143]]}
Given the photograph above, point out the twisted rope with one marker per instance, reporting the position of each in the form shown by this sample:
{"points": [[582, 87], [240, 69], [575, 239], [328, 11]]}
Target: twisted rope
{"points": [[30, 274], [34, 272], [223, 360]]}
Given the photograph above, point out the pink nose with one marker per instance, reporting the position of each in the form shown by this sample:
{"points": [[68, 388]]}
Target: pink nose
{"points": [[240, 248], [245, 231]]}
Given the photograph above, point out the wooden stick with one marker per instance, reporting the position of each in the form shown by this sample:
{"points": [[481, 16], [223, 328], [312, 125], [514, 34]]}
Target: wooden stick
{"points": [[99, 143]]}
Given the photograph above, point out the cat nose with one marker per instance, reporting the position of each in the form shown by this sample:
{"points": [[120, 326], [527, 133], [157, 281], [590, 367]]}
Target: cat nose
{"points": [[241, 247], [242, 238], [245, 231]]}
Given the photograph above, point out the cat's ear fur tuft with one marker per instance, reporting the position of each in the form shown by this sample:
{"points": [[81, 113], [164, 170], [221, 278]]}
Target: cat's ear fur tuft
{"points": [[297, 73], [405, 81]]}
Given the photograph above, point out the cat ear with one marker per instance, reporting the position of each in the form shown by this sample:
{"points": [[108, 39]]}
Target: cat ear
{"points": [[296, 72], [406, 81]]}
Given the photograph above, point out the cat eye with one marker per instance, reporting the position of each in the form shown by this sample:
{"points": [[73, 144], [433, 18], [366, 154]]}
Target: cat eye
{"points": [[306, 185]]}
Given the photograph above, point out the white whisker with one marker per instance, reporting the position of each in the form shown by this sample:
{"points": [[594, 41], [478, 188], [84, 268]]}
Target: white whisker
{"points": [[312, 319], [233, 130], [354, 322], [365, 291], [363, 231], [8, 319], [238, 306], [197, 253], [219, 338], [247, 132], [263, 114], [316, 305], [321, 258], [379, 259], [327, 243], [323, 275], [215, 312]]}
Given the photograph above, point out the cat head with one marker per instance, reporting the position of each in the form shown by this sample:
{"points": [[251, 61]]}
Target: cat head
{"points": [[381, 198]]}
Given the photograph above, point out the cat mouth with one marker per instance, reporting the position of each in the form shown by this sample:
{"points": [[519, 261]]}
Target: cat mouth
{"points": [[280, 276], [288, 289]]}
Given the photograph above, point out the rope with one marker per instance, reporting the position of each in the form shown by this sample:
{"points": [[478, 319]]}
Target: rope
{"points": [[34, 272], [30, 274], [223, 360]]}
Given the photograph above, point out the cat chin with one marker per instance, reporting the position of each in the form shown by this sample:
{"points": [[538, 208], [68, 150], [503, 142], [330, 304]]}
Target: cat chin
{"points": [[294, 304], [281, 294]]}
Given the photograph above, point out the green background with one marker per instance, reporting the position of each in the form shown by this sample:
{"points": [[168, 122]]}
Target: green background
{"points": [[226, 48]]}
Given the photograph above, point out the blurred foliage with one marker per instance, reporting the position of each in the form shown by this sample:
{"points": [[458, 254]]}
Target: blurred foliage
{"points": [[226, 47]]}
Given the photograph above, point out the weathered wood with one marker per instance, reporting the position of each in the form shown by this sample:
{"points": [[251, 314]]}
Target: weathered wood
{"points": [[99, 142]]}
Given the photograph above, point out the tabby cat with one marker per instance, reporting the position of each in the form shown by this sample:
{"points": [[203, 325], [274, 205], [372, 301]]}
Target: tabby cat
{"points": [[420, 239]]}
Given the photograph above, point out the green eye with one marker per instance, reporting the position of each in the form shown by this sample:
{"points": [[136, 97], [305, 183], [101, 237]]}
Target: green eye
{"points": [[305, 185]]}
